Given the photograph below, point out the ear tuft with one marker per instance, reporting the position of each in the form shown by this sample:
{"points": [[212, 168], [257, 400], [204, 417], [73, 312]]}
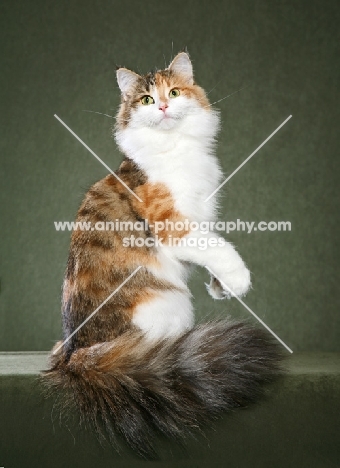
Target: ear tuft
{"points": [[181, 65], [126, 80]]}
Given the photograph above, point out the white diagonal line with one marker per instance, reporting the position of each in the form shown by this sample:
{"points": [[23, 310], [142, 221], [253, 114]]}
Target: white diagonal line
{"points": [[97, 157], [246, 160], [249, 310], [98, 308]]}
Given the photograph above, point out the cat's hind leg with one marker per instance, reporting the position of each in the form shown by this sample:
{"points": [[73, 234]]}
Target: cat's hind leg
{"points": [[166, 314]]}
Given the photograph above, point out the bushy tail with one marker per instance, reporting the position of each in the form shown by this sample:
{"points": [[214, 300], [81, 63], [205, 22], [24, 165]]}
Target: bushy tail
{"points": [[136, 388]]}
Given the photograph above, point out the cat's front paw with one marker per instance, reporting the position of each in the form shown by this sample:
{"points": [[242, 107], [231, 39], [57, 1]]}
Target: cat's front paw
{"points": [[236, 283]]}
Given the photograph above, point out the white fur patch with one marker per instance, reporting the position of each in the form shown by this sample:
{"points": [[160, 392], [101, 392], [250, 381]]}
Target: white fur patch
{"points": [[168, 315], [181, 157]]}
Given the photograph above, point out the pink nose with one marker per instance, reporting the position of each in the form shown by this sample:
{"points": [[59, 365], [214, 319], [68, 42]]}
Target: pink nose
{"points": [[163, 106]]}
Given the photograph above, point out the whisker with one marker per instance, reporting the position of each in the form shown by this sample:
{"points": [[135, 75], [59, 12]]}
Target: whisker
{"points": [[101, 113], [229, 95]]}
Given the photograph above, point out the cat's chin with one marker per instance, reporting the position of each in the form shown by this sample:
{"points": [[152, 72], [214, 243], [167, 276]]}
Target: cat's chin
{"points": [[167, 123]]}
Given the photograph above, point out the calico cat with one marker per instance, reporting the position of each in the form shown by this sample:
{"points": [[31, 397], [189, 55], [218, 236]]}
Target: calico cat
{"points": [[140, 365]]}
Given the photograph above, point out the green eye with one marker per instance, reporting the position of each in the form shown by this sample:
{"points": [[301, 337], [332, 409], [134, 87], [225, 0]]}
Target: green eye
{"points": [[147, 100], [174, 93]]}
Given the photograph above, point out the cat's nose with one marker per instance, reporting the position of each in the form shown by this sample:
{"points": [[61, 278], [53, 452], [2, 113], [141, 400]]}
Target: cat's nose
{"points": [[163, 106]]}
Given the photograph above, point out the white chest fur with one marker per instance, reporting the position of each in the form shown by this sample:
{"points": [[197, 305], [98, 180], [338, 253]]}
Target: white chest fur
{"points": [[181, 158]]}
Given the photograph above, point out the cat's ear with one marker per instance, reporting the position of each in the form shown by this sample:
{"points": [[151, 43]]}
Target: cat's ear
{"points": [[182, 65], [126, 80]]}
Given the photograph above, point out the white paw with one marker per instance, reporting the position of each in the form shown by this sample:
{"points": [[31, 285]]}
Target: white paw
{"points": [[235, 283], [238, 282]]}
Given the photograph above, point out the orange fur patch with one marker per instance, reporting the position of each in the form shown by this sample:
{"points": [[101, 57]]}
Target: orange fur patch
{"points": [[159, 206]]}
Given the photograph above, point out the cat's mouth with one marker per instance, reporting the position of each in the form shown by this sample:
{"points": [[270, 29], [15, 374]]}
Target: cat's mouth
{"points": [[167, 121]]}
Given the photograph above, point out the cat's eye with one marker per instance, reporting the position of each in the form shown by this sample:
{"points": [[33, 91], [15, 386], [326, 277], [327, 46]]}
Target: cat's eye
{"points": [[147, 100], [174, 93]]}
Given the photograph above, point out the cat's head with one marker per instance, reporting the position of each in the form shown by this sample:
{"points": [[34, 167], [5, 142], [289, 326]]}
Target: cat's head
{"points": [[160, 99]]}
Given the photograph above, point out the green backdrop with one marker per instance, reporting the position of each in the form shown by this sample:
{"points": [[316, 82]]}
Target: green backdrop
{"points": [[59, 58]]}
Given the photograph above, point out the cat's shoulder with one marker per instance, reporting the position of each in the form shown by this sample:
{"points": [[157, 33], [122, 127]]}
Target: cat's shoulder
{"points": [[127, 174]]}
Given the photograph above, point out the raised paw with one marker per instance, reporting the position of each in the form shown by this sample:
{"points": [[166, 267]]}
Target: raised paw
{"points": [[233, 283], [237, 282]]}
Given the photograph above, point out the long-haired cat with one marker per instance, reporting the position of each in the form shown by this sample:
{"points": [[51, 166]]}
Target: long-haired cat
{"points": [[140, 365]]}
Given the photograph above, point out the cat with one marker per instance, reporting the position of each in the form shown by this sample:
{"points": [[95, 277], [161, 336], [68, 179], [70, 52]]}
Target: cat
{"points": [[140, 365]]}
